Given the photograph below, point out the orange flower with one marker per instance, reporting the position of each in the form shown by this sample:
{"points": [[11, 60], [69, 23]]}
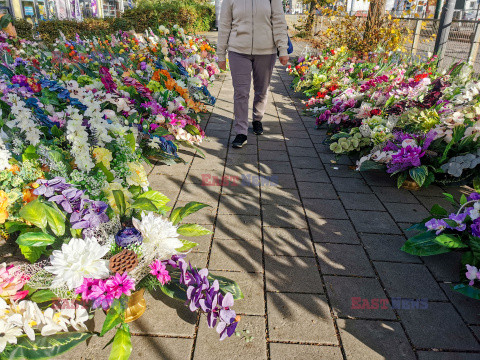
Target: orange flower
{"points": [[3, 206], [14, 169], [28, 195], [170, 84]]}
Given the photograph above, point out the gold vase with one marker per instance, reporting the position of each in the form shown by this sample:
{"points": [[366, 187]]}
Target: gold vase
{"points": [[136, 306], [410, 185]]}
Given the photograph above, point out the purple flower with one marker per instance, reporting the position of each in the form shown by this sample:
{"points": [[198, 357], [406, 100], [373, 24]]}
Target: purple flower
{"points": [[475, 227], [437, 225], [67, 198], [473, 197], [128, 236], [227, 324], [459, 219], [405, 158], [101, 296], [48, 188], [89, 214]]}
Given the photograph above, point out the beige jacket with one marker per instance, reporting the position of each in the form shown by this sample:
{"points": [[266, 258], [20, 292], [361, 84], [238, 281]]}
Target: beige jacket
{"points": [[252, 27]]}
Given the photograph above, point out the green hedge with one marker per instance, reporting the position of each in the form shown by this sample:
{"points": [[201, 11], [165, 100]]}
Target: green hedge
{"points": [[24, 29], [192, 16]]}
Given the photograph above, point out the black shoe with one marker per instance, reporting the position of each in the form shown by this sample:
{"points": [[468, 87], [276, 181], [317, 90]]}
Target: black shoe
{"points": [[239, 141], [257, 128]]}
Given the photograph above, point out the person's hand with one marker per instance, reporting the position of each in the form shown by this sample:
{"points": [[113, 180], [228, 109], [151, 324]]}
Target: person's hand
{"points": [[284, 60], [222, 65]]}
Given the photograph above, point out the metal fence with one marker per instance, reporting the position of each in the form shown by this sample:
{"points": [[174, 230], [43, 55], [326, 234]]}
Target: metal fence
{"points": [[463, 41]]}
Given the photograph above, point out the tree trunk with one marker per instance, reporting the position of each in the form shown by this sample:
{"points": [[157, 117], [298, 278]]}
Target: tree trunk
{"points": [[376, 11], [310, 18]]}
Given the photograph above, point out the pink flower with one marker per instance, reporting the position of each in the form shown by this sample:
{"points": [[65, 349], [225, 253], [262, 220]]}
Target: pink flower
{"points": [[101, 295], [86, 288], [120, 284], [160, 271], [12, 281]]}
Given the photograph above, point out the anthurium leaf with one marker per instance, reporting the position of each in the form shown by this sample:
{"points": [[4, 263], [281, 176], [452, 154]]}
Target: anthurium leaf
{"points": [[45, 347], [41, 296], [423, 244], [401, 179], [32, 253], [35, 239], [55, 219], [419, 174], [467, 290], [187, 245], [34, 212], [120, 201], [157, 198], [144, 204], [371, 165], [450, 241], [114, 317], [192, 230], [227, 285], [122, 344]]}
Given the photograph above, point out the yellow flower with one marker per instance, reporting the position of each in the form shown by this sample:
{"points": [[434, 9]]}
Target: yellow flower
{"points": [[4, 203], [103, 155], [138, 176]]}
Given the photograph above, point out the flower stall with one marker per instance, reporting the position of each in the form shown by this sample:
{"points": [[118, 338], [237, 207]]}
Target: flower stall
{"points": [[77, 123]]}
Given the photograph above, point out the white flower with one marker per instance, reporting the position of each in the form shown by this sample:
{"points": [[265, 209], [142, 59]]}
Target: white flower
{"points": [[10, 333], [409, 142], [54, 322], [77, 260], [160, 237]]}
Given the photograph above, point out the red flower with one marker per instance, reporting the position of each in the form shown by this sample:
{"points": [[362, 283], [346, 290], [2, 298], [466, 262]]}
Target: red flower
{"points": [[332, 52], [375, 112]]}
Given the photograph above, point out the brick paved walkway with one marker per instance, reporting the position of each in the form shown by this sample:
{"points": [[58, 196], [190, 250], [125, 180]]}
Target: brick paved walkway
{"points": [[302, 250]]}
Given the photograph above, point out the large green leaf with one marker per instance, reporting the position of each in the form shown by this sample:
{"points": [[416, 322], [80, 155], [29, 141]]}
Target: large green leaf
{"points": [[44, 347], [32, 253], [35, 239], [157, 198], [467, 290], [188, 209], [122, 344], [227, 285], [419, 174], [55, 219], [130, 138], [371, 165], [144, 204], [114, 317], [450, 241], [44, 295], [438, 211], [187, 245], [192, 230], [120, 201], [401, 179], [34, 212], [175, 214], [424, 245], [14, 226], [106, 172]]}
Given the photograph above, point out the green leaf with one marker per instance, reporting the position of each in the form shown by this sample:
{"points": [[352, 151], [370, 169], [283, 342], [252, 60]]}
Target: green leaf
{"points": [[439, 211], [450, 199], [463, 199], [188, 209], [450, 241], [192, 230], [371, 165], [35, 239], [107, 172], [467, 290], [41, 296], [160, 131], [30, 153], [56, 131], [122, 345], [451, 223], [144, 204], [227, 285], [187, 245], [45, 347], [401, 179], [32, 253], [157, 198], [55, 219], [114, 317], [476, 184], [474, 243], [174, 215], [130, 138], [419, 174], [120, 201], [424, 245], [14, 226], [192, 129], [34, 212]]}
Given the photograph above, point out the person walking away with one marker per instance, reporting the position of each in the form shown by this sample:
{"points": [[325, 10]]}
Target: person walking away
{"points": [[253, 32]]}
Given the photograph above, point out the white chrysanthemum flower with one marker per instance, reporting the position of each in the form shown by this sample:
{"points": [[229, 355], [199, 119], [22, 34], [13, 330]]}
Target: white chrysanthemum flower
{"points": [[160, 237], [77, 260]]}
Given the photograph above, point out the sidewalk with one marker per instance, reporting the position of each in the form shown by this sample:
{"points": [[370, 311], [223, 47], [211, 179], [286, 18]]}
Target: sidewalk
{"points": [[304, 251]]}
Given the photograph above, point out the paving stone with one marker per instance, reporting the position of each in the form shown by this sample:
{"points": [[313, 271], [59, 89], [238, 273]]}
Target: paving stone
{"points": [[407, 212], [268, 167], [476, 330], [251, 285], [163, 311], [333, 159], [306, 143], [274, 145], [278, 196], [198, 259], [334, 231], [235, 348], [266, 155], [292, 242], [368, 340], [444, 267], [282, 274], [343, 259], [305, 162], [350, 185], [438, 327], [340, 170], [346, 292], [428, 202], [203, 177], [193, 192], [238, 205], [381, 179], [302, 151], [245, 188], [409, 281], [284, 216], [238, 227], [432, 190], [282, 181], [445, 355], [302, 134], [325, 209], [373, 222], [311, 190], [236, 255], [387, 247], [353, 201], [311, 175], [466, 306], [300, 318], [280, 351]]}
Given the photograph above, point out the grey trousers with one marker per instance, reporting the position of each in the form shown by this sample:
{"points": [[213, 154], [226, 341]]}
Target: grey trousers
{"points": [[241, 67]]}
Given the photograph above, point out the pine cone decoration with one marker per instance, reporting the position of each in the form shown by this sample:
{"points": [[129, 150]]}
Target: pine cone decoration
{"points": [[124, 261]]}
